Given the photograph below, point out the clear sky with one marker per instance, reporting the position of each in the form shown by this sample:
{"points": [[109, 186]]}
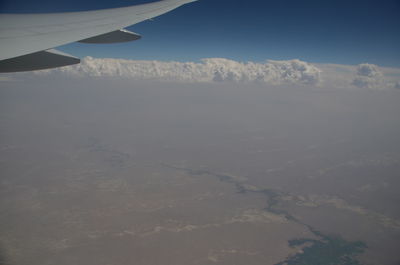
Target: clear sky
{"points": [[344, 32]]}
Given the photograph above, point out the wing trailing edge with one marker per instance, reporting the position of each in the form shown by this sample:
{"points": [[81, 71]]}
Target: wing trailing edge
{"points": [[37, 61], [121, 35]]}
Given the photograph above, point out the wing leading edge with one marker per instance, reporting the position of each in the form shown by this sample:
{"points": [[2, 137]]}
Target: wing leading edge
{"points": [[25, 34]]}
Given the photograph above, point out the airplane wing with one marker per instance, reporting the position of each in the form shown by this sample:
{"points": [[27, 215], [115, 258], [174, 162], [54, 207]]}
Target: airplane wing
{"points": [[27, 40]]}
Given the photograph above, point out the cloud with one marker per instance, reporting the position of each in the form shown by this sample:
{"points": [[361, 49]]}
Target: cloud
{"points": [[369, 70], [289, 72], [208, 70], [369, 76], [273, 72]]}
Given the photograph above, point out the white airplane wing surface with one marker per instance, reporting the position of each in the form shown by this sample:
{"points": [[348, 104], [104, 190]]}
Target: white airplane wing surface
{"points": [[27, 40]]}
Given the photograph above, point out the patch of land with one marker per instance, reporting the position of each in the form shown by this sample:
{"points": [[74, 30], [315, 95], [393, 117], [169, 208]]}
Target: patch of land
{"points": [[121, 173]]}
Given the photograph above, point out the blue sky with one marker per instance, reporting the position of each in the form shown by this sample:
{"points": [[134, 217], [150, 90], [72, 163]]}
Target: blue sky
{"points": [[344, 32]]}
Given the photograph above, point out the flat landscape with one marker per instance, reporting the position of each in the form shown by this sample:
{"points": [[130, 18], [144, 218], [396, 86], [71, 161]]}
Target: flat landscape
{"points": [[141, 173]]}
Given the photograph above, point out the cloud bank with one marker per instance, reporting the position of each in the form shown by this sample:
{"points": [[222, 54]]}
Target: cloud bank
{"points": [[208, 70], [290, 72]]}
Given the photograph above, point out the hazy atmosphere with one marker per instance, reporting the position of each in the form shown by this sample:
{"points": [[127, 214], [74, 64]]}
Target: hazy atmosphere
{"points": [[233, 133], [119, 171]]}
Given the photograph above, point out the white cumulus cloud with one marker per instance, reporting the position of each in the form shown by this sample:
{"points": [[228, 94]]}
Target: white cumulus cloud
{"points": [[208, 70], [369, 76], [288, 72]]}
